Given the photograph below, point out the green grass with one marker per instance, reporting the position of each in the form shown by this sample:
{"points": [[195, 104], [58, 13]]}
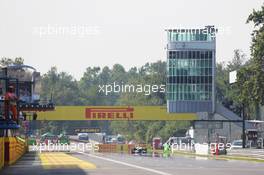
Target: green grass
{"points": [[219, 157]]}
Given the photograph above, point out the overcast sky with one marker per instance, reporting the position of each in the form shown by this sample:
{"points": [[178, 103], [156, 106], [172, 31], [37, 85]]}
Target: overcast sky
{"points": [[75, 34]]}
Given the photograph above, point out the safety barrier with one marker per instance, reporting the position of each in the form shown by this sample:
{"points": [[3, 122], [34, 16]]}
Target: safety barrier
{"points": [[124, 148], [14, 149], [2, 150], [107, 148]]}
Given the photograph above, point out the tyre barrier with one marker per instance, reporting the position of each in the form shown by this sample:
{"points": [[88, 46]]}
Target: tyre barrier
{"points": [[14, 148]]}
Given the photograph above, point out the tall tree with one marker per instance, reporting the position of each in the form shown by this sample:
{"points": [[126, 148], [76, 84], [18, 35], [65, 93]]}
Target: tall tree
{"points": [[257, 52], [251, 78]]}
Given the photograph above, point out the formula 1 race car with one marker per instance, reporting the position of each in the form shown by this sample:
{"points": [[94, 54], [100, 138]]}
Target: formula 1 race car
{"points": [[139, 150]]}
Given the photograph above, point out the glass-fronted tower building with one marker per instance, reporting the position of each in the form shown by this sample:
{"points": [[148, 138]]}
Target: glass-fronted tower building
{"points": [[191, 70]]}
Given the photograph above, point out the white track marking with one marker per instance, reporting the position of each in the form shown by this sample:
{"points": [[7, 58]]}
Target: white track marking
{"points": [[127, 164]]}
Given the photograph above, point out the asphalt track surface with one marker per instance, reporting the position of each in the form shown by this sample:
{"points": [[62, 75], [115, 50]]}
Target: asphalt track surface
{"points": [[124, 164]]}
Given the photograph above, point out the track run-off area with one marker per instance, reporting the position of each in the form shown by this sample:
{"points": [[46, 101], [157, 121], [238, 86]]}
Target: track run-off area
{"points": [[84, 163]]}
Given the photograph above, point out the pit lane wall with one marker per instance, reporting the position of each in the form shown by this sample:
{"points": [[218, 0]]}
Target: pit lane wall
{"points": [[11, 149]]}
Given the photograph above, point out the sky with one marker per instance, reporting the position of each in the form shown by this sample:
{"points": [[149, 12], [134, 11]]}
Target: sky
{"points": [[75, 34]]}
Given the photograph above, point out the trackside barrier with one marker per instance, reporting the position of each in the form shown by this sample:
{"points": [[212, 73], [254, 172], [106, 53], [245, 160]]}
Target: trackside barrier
{"points": [[2, 151], [107, 148], [125, 148], [14, 149]]}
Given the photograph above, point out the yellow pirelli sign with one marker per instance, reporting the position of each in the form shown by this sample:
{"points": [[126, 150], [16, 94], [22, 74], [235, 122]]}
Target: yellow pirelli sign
{"points": [[113, 113]]}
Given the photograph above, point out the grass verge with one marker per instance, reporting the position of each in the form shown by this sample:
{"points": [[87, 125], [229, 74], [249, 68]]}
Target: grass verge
{"points": [[219, 157]]}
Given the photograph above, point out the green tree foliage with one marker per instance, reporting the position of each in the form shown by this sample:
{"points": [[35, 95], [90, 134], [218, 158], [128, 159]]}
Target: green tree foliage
{"points": [[9, 61], [228, 94], [61, 87], [257, 53], [251, 77]]}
